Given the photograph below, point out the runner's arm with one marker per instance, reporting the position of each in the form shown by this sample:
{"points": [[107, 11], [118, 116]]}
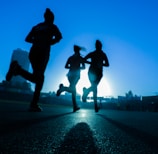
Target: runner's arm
{"points": [[86, 59], [57, 36], [30, 37], [105, 61], [67, 65], [82, 66]]}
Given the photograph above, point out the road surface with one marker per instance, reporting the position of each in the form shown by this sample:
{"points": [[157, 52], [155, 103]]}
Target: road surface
{"points": [[58, 130]]}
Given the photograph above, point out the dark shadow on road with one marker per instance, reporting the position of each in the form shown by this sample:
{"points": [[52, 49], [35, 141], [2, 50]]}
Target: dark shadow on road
{"points": [[78, 140], [20, 124], [147, 138]]}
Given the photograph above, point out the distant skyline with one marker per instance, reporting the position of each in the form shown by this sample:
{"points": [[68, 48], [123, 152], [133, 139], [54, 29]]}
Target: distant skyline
{"points": [[127, 29]]}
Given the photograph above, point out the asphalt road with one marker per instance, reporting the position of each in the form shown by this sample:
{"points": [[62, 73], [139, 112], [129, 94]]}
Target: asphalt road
{"points": [[57, 130]]}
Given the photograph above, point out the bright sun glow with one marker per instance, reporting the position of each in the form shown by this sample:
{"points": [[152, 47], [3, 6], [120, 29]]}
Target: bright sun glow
{"points": [[103, 87]]}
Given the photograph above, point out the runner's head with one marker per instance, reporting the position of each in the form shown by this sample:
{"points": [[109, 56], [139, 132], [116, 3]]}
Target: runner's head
{"points": [[98, 45], [49, 16], [77, 49]]}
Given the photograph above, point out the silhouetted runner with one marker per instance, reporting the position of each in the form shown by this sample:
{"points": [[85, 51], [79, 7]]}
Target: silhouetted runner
{"points": [[74, 63], [98, 60], [42, 36]]}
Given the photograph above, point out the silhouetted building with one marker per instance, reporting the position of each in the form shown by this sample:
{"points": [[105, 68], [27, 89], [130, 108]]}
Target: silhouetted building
{"points": [[22, 57], [150, 103]]}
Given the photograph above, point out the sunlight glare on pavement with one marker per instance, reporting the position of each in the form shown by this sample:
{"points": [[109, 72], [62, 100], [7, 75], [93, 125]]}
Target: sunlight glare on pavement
{"points": [[83, 113]]}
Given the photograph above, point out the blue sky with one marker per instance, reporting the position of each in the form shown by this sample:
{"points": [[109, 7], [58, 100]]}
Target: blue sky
{"points": [[127, 29]]}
